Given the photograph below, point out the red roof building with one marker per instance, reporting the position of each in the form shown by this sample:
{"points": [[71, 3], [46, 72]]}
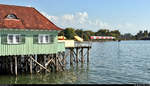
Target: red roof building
{"points": [[20, 17]]}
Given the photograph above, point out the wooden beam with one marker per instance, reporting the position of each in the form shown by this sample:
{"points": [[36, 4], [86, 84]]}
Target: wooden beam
{"points": [[40, 64]]}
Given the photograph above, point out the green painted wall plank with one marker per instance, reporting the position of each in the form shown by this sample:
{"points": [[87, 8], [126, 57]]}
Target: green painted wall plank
{"points": [[29, 47]]}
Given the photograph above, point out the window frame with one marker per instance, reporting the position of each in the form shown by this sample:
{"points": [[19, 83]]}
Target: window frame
{"points": [[14, 40], [44, 41], [11, 16]]}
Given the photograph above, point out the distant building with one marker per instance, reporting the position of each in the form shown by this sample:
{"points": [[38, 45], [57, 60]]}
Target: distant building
{"points": [[102, 37]]}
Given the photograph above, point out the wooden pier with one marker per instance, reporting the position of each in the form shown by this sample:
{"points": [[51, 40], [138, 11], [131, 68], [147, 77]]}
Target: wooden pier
{"points": [[79, 52]]}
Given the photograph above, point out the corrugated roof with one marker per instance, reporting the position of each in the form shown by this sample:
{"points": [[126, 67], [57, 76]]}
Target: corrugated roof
{"points": [[27, 18]]}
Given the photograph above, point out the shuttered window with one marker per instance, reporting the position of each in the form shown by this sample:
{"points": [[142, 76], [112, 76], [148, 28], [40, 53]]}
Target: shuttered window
{"points": [[43, 38], [51, 38], [12, 39]]}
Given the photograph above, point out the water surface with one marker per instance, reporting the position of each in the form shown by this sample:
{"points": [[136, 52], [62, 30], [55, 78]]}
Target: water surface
{"points": [[122, 62]]}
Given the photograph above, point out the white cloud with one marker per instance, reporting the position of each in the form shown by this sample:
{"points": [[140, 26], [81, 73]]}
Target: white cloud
{"points": [[80, 20]]}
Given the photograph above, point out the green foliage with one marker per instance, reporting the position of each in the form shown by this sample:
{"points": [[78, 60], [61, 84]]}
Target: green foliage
{"points": [[103, 32], [69, 33], [115, 33]]}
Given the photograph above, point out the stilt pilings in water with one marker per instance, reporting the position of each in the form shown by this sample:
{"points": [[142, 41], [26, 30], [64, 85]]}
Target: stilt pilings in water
{"points": [[17, 64], [78, 54], [43, 63]]}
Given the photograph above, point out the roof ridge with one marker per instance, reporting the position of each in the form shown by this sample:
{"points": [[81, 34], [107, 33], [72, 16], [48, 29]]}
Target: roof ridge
{"points": [[46, 18], [16, 6]]}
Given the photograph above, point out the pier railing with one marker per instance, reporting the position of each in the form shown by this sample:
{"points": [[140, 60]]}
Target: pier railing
{"points": [[83, 44]]}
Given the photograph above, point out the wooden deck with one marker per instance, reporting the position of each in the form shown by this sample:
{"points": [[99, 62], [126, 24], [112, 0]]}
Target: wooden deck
{"points": [[79, 51], [81, 45]]}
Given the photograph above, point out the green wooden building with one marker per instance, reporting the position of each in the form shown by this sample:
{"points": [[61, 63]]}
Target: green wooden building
{"points": [[28, 41], [25, 31]]}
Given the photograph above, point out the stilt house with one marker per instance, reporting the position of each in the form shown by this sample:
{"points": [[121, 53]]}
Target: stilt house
{"points": [[25, 31]]}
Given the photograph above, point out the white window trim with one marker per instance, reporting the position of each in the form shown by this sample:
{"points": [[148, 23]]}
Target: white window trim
{"points": [[44, 40], [14, 39]]}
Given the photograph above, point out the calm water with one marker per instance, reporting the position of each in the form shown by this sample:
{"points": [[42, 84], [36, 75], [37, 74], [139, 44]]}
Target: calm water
{"points": [[122, 62]]}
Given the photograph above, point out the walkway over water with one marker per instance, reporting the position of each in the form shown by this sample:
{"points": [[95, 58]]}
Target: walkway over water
{"points": [[82, 45], [78, 51]]}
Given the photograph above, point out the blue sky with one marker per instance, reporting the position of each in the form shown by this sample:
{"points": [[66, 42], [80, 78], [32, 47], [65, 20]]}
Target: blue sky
{"points": [[127, 16]]}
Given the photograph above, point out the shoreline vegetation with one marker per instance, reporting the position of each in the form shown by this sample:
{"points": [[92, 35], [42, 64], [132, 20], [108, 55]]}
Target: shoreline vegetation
{"points": [[69, 33]]}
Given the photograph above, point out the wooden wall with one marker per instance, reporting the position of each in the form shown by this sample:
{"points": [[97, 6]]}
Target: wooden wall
{"points": [[29, 47]]}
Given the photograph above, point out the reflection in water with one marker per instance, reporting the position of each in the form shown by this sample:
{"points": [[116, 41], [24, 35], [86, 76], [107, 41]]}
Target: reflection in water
{"points": [[16, 80], [68, 76]]}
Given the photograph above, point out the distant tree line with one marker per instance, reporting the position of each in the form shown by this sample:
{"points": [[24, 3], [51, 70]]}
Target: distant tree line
{"points": [[69, 33], [141, 35]]}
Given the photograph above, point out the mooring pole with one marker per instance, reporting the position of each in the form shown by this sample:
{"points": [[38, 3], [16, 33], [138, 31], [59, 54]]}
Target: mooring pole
{"points": [[15, 65], [82, 57], [88, 53]]}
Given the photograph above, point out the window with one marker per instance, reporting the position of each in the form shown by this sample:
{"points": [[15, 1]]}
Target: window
{"points": [[43, 38], [11, 16], [13, 38]]}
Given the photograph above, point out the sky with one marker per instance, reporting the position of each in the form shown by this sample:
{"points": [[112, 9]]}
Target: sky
{"points": [[127, 16]]}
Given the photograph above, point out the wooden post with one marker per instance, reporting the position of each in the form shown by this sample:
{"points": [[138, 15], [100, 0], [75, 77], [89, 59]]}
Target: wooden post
{"points": [[88, 53], [71, 56], [77, 55], [26, 63], [11, 65], [15, 65], [56, 62], [30, 64], [45, 58], [64, 58], [82, 56]]}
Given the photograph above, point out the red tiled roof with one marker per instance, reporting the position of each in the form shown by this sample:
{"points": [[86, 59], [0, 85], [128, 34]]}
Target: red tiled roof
{"points": [[28, 18]]}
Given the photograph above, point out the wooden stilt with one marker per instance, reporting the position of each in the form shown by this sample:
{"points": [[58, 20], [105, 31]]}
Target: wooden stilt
{"points": [[15, 65], [11, 65], [26, 63], [77, 55], [45, 58], [3, 64], [30, 65], [88, 53], [71, 56], [56, 62], [36, 58], [82, 56]]}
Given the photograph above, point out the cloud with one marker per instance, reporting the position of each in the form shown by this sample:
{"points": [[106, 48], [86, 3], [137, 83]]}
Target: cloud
{"points": [[79, 20]]}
